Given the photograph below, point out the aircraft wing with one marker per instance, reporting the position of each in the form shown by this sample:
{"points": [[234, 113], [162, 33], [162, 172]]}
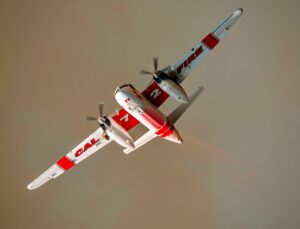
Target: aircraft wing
{"points": [[85, 149], [182, 69], [194, 56]]}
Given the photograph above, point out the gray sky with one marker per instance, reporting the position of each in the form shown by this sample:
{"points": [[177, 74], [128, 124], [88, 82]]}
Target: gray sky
{"points": [[238, 167]]}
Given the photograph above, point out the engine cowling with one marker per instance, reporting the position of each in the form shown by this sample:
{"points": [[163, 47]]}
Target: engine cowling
{"points": [[167, 80], [171, 87], [111, 129], [119, 134]]}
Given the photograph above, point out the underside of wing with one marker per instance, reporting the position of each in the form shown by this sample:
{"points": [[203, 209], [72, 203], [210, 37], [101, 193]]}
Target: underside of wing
{"points": [[85, 149], [193, 57]]}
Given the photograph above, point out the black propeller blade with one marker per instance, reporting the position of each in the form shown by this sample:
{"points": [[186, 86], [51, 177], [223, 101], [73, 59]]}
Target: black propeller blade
{"points": [[100, 107], [144, 72], [90, 118], [155, 64]]}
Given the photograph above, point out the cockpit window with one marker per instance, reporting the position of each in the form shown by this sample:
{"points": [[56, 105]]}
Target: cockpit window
{"points": [[132, 87]]}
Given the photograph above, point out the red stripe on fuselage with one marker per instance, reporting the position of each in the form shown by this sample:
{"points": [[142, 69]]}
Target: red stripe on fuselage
{"points": [[65, 163], [210, 41], [163, 130], [153, 93], [151, 120], [166, 130]]}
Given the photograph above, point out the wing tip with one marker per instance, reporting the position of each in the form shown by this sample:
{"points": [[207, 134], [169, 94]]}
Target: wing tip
{"points": [[33, 186], [240, 10], [30, 187], [238, 13], [53, 172]]}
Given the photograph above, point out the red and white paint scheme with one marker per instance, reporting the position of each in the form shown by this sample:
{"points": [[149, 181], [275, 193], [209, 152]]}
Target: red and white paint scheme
{"points": [[146, 113], [143, 108]]}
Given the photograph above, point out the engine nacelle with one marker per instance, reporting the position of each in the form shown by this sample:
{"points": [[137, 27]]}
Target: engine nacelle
{"points": [[171, 87], [119, 134]]}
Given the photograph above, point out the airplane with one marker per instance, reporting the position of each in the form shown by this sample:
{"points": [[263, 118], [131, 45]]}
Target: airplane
{"points": [[143, 107]]}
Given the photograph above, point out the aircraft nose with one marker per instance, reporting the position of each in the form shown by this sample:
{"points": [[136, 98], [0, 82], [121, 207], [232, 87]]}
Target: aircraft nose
{"points": [[30, 186], [174, 137]]}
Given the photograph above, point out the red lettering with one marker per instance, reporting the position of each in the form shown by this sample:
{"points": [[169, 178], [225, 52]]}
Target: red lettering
{"points": [[199, 51], [78, 152], [179, 68], [189, 60], [185, 63], [86, 147], [93, 141]]}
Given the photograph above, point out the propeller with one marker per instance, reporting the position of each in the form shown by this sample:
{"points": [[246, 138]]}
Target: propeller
{"points": [[102, 120], [100, 108], [155, 72], [158, 75], [90, 118], [155, 63]]}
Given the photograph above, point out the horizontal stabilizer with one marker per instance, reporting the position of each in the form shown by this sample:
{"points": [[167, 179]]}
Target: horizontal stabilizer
{"points": [[178, 112], [141, 141]]}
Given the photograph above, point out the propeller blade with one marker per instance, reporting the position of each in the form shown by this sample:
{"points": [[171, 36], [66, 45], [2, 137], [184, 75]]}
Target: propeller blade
{"points": [[144, 72], [155, 63], [100, 107], [89, 118]]}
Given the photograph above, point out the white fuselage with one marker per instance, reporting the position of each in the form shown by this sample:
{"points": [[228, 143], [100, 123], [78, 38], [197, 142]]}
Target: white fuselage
{"points": [[146, 113]]}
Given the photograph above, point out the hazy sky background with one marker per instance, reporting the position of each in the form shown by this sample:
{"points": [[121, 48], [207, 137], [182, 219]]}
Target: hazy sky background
{"points": [[239, 164]]}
